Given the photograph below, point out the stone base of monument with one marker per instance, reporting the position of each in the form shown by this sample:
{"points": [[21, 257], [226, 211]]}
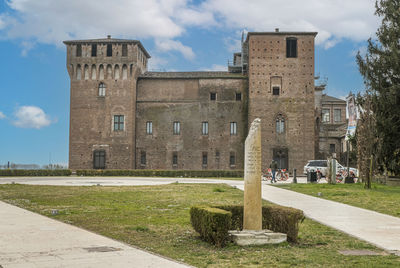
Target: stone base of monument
{"points": [[263, 237]]}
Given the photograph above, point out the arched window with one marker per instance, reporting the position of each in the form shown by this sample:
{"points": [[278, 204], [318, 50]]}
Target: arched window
{"points": [[101, 72], [86, 72], [94, 72], [78, 72], [280, 124], [109, 71], [124, 72], [116, 72], [102, 90]]}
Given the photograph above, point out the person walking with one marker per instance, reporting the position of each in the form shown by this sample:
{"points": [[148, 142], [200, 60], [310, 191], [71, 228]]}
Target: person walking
{"points": [[273, 166]]}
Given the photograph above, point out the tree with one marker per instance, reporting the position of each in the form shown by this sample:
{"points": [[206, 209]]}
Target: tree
{"points": [[380, 68]]}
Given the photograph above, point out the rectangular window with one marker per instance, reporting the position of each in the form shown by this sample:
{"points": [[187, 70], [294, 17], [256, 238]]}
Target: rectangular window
{"points": [[118, 122], [337, 115], [326, 116], [177, 128], [124, 50], [275, 91], [213, 96], [99, 159], [291, 48], [175, 159], [109, 50], [332, 148], [232, 159], [94, 50], [238, 96], [149, 127], [205, 159], [143, 158], [233, 128], [204, 128], [79, 50]]}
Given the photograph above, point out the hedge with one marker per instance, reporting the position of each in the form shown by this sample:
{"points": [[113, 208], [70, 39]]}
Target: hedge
{"points": [[275, 218], [35, 172], [212, 224], [161, 173]]}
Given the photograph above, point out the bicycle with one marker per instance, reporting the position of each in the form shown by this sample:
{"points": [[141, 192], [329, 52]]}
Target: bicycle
{"points": [[280, 175]]}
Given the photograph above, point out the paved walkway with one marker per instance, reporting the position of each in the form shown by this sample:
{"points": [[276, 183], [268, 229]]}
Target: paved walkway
{"points": [[30, 240], [21, 230]]}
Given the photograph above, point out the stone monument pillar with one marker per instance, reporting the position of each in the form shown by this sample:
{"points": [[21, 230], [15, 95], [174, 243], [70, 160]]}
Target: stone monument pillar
{"points": [[252, 217], [252, 233]]}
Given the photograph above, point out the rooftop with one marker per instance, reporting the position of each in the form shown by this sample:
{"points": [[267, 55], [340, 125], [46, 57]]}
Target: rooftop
{"points": [[326, 98], [107, 40], [180, 75]]}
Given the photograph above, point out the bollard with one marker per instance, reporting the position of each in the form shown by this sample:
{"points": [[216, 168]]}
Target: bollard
{"points": [[294, 176]]}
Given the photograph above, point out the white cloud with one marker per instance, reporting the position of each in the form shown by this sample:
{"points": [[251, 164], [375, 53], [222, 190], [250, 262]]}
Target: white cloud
{"points": [[2, 116], [216, 68], [51, 22], [333, 19], [156, 63], [31, 117], [173, 45]]}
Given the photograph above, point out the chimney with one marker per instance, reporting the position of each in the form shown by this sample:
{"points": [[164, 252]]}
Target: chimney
{"points": [[277, 30]]}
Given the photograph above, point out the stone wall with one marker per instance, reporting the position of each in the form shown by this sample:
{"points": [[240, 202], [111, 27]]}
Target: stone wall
{"points": [[166, 100]]}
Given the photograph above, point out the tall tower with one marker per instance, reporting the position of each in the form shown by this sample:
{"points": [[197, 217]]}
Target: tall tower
{"points": [[103, 74], [281, 92]]}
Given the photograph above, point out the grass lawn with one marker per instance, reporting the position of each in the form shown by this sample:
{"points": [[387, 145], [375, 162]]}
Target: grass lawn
{"points": [[380, 198], [156, 218]]}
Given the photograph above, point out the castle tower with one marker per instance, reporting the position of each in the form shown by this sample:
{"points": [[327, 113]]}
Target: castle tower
{"points": [[281, 92], [103, 74]]}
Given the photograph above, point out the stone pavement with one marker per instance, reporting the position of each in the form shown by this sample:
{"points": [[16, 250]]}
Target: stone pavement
{"points": [[30, 240], [376, 228]]}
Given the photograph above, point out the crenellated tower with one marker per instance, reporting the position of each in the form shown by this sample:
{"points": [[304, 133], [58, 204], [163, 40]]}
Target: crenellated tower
{"points": [[103, 74]]}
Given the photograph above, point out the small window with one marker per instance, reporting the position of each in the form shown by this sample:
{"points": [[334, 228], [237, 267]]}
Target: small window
{"points": [[332, 148], [124, 50], [233, 128], [217, 154], [102, 90], [99, 159], [205, 159], [149, 127], [326, 115], [232, 159], [79, 50], [177, 128], [275, 91], [291, 48], [280, 125], [213, 96], [204, 128], [337, 115], [143, 158], [238, 96], [119, 122], [109, 50], [175, 159], [94, 50]]}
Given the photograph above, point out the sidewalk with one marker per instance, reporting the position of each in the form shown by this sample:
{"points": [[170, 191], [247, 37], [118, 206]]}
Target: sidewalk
{"points": [[378, 229], [31, 240]]}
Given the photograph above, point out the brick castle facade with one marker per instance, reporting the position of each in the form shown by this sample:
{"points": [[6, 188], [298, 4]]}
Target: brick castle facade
{"points": [[125, 117]]}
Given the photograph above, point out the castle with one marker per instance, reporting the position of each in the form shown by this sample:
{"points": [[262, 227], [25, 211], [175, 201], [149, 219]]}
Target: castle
{"points": [[125, 117]]}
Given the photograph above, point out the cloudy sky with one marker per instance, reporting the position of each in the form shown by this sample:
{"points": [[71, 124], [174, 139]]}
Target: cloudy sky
{"points": [[180, 35]]}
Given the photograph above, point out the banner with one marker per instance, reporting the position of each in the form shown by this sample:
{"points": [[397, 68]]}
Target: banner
{"points": [[351, 113]]}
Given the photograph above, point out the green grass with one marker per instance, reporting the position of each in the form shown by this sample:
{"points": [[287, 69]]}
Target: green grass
{"points": [[156, 218], [381, 198]]}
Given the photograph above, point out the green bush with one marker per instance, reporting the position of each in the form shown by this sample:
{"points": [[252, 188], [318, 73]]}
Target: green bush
{"points": [[275, 218], [212, 224], [161, 173], [35, 172]]}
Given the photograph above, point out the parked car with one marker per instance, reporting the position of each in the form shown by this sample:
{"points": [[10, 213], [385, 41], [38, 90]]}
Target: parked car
{"points": [[322, 166]]}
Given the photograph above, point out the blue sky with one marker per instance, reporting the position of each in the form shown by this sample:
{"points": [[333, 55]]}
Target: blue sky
{"points": [[180, 35]]}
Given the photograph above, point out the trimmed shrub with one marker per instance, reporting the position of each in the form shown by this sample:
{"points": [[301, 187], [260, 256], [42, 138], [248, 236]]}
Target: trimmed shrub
{"points": [[275, 218], [212, 224], [161, 173], [35, 172]]}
